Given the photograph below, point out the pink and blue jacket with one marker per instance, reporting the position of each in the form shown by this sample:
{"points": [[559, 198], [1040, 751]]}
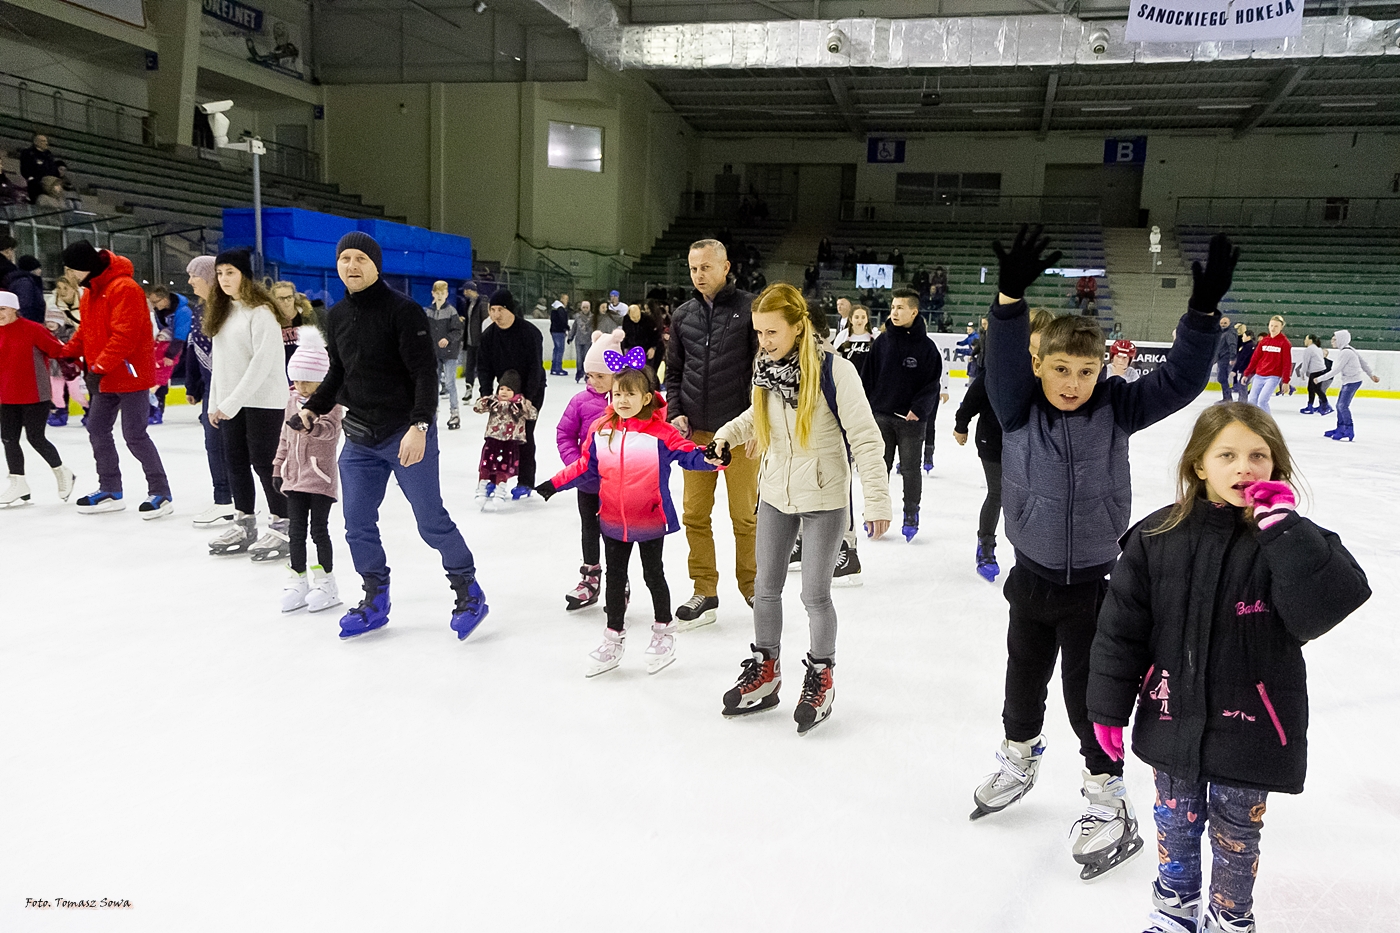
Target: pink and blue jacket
{"points": [[582, 412], [630, 466]]}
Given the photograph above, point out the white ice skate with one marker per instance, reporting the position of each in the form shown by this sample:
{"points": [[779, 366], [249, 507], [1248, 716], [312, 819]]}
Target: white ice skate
{"points": [[483, 490], [66, 479], [238, 537], [1020, 764], [17, 493], [294, 593], [500, 495], [274, 545], [323, 594], [216, 514], [1107, 832], [607, 655], [662, 650], [1173, 913]]}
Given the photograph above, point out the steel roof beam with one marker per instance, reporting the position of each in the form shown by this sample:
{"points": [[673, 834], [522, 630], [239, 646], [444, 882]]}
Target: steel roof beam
{"points": [[842, 95], [1052, 83], [1283, 85]]}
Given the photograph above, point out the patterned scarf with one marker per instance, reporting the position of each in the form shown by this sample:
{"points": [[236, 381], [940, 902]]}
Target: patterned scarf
{"points": [[781, 376]]}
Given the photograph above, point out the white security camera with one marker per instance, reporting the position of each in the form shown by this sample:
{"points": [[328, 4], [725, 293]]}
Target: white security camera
{"points": [[1098, 41], [216, 106], [835, 41]]}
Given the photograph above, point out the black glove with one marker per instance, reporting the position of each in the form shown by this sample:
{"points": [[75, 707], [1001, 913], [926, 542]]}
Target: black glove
{"points": [[546, 489], [712, 452], [1023, 263], [1212, 282], [295, 422], [277, 483]]}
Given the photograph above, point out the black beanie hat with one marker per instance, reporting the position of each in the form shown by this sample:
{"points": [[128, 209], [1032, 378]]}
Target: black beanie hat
{"points": [[7, 241], [363, 242], [30, 263], [241, 259], [81, 256], [511, 380], [504, 299]]}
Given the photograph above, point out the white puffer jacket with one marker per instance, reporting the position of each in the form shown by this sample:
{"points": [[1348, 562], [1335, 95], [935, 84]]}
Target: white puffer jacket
{"points": [[816, 478]]}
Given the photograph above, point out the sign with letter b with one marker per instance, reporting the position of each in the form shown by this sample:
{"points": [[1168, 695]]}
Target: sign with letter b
{"points": [[1131, 150]]}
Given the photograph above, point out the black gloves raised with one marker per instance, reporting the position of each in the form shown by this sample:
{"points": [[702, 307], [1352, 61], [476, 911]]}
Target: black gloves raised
{"points": [[1023, 263], [1209, 284]]}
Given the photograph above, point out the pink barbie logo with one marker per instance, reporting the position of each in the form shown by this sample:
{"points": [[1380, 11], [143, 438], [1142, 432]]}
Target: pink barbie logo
{"points": [[1244, 609], [1162, 694]]}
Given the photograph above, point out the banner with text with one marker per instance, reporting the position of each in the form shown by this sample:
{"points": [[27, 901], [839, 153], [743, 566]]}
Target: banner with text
{"points": [[247, 32], [1212, 20]]}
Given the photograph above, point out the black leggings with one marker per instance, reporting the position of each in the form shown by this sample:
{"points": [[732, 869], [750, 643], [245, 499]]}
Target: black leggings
{"points": [[31, 419], [619, 554], [991, 506], [588, 506], [309, 511], [250, 445], [1318, 392]]}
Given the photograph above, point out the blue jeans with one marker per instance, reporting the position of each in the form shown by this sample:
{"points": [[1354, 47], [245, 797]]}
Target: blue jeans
{"points": [[1236, 817], [214, 452], [556, 365], [580, 352], [1344, 404], [1223, 367], [447, 379], [1261, 389], [364, 477]]}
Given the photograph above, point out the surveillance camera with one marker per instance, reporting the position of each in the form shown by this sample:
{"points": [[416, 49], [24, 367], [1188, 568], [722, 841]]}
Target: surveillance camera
{"points": [[835, 42], [216, 106], [1390, 36], [1098, 41]]}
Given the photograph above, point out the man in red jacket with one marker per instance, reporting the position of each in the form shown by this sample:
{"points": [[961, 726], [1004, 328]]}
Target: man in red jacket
{"points": [[117, 340]]}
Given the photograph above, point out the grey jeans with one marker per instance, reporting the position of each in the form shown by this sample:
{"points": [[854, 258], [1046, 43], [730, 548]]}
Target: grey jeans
{"points": [[447, 379], [821, 541]]}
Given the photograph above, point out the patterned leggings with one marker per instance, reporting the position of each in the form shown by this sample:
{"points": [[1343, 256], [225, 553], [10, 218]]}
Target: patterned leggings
{"points": [[1236, 816]]}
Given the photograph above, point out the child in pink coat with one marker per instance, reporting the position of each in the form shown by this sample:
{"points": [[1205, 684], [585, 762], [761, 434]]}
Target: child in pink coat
{"points": [[582, 412]]}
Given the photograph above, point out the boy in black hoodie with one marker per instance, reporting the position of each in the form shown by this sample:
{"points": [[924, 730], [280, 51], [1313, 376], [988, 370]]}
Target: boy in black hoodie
{"points": [[901, 380], [1067, 495]]}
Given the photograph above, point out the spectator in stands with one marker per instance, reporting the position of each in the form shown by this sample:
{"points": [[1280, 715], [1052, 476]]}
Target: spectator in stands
{"points": [[867, 256], [445, 328], [938, 288], [39, 162], [824, 253], [115, 339], [57, 195], [513, 343], [472, 307], [758, 281], [709, 362], [581, 335], [1086, 290], [558, 333], [27, 286], [897, 260], [848, 262], [809, 280], [921, 284], [1116, 333], [1224, 356], [1243, 357], [11, 191]]}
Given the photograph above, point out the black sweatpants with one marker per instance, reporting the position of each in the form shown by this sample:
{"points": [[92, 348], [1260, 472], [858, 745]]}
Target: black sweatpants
{"points": [[31, 420], [526, 476], [619, 554], [908, 436], [1049, 619], [588, 506], [929, 431], [309, 512], [991, 506], [250, 445]]}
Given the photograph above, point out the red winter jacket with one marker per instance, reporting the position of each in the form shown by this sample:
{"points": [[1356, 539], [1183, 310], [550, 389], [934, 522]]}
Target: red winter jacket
{"points": [[1273, 356], [24, 374], [115, 335]]}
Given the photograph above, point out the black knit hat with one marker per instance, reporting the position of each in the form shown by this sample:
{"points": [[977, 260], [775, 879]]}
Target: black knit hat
{"points": [[504, 299], [81, 256], [7, 242], [363, 242], [511, 380], [29, 263], [241, 259]]}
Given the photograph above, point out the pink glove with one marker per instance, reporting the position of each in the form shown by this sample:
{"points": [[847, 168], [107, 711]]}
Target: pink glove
{"points": [[1110, 740], [1271, 502]]}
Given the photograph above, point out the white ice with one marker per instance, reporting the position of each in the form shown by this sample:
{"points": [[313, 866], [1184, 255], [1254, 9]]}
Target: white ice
{"points": [[170, 738]]}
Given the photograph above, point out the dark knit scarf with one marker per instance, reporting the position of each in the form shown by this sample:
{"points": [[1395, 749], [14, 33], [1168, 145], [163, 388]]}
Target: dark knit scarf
{"points": [[781, 376]]}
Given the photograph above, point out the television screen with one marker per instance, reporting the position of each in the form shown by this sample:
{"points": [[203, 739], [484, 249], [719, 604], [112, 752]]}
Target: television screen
{"points": [[872, 275]]}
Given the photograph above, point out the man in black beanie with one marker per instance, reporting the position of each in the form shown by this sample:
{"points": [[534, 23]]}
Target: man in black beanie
{"points": [[384, 371], [514, 343], [27, 286]]}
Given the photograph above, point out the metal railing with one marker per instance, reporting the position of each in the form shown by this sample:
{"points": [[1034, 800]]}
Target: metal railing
{"points": [[738, 208], [1288, 212], [50, 105], [280, 159], [1007, 209], [159, 250]]}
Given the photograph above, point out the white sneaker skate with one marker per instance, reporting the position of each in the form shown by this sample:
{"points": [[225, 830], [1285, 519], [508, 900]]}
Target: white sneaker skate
{"points": [[1219, 920], [216, 514], [323, 594], [294, 593], [607, 655], [1020, 764], [1108, 834], [17, 493], [66, 479], [662, 650], [1173, 913]]}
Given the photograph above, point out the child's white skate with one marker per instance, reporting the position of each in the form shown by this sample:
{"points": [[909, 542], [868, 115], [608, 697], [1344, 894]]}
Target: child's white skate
{"points": [[1108, 834], [607, 655], [323, 593], [1020, 764], [662, 650], [294, 593]]}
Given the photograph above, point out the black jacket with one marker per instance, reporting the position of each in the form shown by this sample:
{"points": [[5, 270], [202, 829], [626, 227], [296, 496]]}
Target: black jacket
{"points": [[519, 347], [1243, 355], [473, 312], [1203, 629], [645, 334], [976, 404], [28, 288], [383, 367], [709, 359], [35, 165], [558, 318], [903, 371]]}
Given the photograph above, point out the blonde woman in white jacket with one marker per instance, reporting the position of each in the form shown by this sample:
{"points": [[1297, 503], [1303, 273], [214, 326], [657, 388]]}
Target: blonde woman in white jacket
{"points": [[247, 397], [804, 485]]}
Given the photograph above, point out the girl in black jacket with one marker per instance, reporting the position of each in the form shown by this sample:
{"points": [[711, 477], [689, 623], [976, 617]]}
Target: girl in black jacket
{"points": [[1202, 629]]}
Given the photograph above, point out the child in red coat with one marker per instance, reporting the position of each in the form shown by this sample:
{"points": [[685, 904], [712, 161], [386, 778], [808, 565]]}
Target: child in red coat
{"points": [[628, 454], [24, 398]]}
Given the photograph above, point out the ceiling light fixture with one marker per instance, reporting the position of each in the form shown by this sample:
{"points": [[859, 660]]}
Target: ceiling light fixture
{"points": [[996, 109], [1104, 109], [480, 7], [1341, 104], [1223, 106]]}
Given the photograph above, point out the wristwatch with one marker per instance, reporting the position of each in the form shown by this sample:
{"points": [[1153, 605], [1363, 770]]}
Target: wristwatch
{"points": [[422, 426]]}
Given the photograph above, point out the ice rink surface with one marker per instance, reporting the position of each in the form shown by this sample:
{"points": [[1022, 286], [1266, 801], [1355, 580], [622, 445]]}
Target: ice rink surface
{"points": [[171, 739]]}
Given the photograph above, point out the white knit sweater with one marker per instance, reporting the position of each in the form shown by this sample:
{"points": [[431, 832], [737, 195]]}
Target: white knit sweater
{"points": [[250, 366]]}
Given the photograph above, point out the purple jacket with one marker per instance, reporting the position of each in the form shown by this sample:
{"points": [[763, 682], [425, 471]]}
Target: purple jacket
{"points": [[583, 410], [306, 459]]}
